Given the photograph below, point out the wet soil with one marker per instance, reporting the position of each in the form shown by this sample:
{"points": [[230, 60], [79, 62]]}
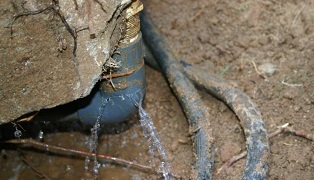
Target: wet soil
{"points": [[264, 48], [230, 38]]}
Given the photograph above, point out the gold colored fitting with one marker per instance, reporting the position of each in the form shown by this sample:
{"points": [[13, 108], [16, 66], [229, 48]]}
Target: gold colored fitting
{"points": [[134, 8], [132, 21]]}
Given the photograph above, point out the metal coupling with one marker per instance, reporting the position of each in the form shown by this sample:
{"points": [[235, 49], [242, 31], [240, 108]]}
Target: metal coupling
{"points": [[132, 22]]}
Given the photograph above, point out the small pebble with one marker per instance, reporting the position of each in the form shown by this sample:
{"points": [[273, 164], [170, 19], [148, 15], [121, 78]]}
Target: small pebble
{"points": [[268, 69], [174, 146], [207, 54], [184, 140], [296, 108], [214, 20], [290, 94]]}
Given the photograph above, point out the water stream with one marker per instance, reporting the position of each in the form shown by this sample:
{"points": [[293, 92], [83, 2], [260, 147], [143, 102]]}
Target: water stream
{"points": [[93, 141], [151, 134]]}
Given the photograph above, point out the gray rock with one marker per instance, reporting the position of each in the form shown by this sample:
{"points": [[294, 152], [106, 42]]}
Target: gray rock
{"points": [[267, 68]]}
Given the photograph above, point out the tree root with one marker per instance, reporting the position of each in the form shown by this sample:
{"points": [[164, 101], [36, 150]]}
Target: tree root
{"points": [[66, 151]]}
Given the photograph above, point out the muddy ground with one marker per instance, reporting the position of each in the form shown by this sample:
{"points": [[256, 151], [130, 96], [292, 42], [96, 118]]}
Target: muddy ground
{"points": [[224, 37]]}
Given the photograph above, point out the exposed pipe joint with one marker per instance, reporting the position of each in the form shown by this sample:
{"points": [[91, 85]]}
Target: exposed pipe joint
{"points": [[114, 102]]}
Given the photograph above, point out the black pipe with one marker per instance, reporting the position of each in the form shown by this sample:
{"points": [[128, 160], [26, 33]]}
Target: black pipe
{"points": [[250, 117], [244, 108], [149, 58], [188, 98]]}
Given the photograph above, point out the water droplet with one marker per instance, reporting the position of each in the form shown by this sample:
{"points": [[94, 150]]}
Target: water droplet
{"points": [[87, 160], [68, 168], [41, 135], [17, 133], [96, 167], [93, 141]]}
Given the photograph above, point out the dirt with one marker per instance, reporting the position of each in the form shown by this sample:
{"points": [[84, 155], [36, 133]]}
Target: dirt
{"points": [[227, 38], [236, 39]]}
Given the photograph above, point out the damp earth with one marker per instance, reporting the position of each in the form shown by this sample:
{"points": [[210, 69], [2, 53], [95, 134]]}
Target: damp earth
{"points": [[265, 48]]}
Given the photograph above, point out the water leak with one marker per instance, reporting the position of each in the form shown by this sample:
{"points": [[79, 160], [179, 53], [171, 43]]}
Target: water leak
{"points": [[151, 134], [123, 140], [40, 135], [93, 141], [17, 132]]}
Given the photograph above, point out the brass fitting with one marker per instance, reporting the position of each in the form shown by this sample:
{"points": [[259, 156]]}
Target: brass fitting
{"points": [[132, 21]]}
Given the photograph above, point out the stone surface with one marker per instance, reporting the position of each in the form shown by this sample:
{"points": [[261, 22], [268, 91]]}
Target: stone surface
{"points": [[39, 65]]}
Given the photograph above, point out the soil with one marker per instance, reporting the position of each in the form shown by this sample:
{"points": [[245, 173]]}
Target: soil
{"points": [[265, 48]]}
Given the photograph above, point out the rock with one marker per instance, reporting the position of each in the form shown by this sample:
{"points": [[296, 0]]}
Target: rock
{"points": [[43, 70], [184, 140], [290, 94], [267, 68], [214, 20], [296, 108], [174, 146]]}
